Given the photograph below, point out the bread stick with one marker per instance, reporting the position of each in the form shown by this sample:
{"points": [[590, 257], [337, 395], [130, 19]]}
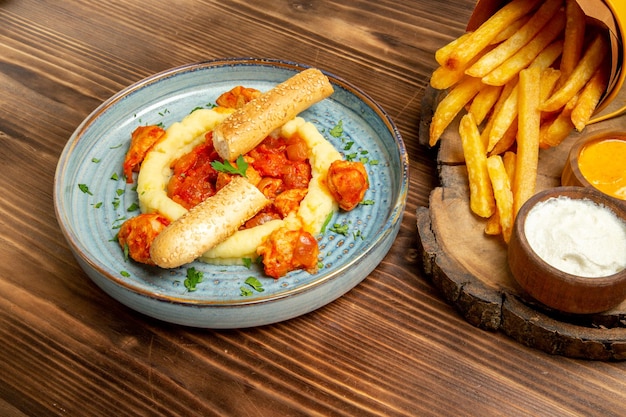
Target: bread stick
{"points": [[207, 224], [248, 126]]}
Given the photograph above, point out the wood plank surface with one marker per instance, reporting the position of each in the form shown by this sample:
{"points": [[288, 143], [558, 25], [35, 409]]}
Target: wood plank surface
{"points": [[392, 346]]}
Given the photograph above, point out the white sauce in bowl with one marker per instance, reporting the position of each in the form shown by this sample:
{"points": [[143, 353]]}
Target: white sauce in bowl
{"points": [[578, 237]]}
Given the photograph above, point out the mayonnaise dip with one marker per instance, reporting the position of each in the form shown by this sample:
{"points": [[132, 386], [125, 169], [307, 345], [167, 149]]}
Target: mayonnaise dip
{"points": [[578, 237]]}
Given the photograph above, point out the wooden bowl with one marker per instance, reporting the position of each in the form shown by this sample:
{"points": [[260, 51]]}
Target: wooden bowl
{"points": [[572, 175], [551, 286]]}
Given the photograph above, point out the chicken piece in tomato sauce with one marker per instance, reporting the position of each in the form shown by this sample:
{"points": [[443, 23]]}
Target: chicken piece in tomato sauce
{"points": [[286, 250], [137, 233], [237, 97], [142, 140], [347, 181]]}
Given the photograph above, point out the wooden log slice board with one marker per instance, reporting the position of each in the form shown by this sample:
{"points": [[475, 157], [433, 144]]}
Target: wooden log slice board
{"points": [[471, 270]]}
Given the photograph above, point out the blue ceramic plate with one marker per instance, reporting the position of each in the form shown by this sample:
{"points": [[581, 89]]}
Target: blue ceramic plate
{"points": [[92, 199]]}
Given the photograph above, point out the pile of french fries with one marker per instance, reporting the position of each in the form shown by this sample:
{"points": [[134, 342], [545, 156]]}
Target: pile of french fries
{"points": [[527, 77]]}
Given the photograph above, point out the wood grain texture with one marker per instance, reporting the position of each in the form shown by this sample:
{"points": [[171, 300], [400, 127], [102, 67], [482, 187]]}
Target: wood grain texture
{"points": [[391, 346]]}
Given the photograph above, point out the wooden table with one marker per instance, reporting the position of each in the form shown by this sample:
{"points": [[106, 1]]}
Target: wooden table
{"points": [[391, 346]]}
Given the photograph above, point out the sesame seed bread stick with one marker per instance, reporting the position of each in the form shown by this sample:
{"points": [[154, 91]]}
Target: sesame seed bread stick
{"points": [[207, 224], [248, 126]]}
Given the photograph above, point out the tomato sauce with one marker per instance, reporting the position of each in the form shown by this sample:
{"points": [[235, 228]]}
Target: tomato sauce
{"points": [[194, 179], [284, 160], [278, 164]]}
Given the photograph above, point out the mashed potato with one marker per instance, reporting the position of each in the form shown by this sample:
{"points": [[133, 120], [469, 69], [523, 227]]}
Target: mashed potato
{"points": [[183, 136]]}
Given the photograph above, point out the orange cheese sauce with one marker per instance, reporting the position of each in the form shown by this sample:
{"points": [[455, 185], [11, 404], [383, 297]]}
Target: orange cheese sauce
{"points": [[603, 164]]}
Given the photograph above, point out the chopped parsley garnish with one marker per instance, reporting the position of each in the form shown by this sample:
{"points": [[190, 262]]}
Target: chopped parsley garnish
{"points": [[116, 146], [247, 262], [119, 191], [115, 176], [194, 277], [245, 291], [95, 160], [337, 130], [328, 219], [367, 203], [125, 274], [126, 251], [255, 284], [358, 234], [228, 168], [133, 207], [351, 156], [98, 205], [341, 229], [84, 188], [117, 223]]}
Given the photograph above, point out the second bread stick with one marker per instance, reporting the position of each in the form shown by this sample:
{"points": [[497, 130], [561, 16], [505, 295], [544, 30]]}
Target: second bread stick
{"points": [[248, 126], [207, 224]]}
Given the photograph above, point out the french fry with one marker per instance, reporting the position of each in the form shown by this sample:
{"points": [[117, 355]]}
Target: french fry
{"points": [[507, 32], [549, 79], [503, 195], [442, 54], [482, 36], [506, 49], [529, 118], [443, 77], [508, 159], [451, 105], [506, 141], [555, 132], [589, 99], [588, 65], [492, 226], [482, 201], [549, 55], [505, 117], [525, 56], [484, 101], [506, 92], [574, 37]]}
